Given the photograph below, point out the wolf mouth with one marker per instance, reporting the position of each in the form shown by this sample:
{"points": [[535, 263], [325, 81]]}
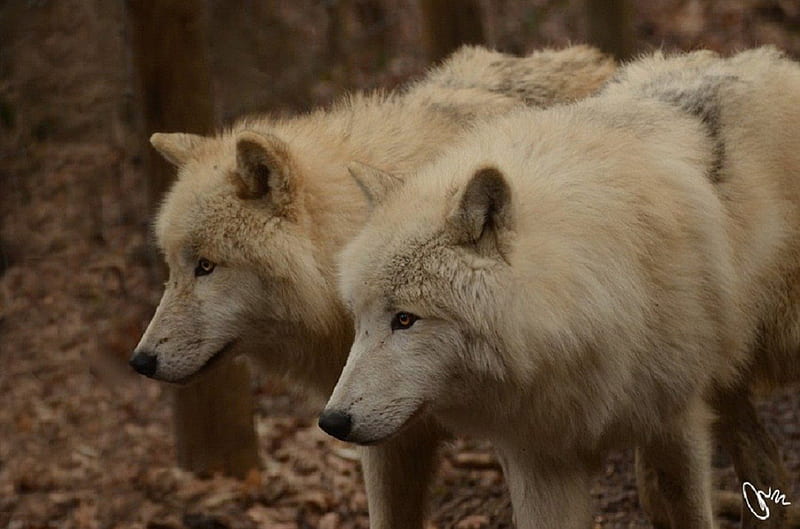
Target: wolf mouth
{"points": [[406, 424], [215, 359]]}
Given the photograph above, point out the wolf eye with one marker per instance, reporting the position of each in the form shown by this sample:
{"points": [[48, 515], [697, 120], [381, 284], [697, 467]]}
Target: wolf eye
{"points": [[204, 267], [403, 320]]}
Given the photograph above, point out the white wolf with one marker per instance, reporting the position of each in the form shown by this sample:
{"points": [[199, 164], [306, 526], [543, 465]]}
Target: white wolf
{"points": [[569, 280], [251, 229]]}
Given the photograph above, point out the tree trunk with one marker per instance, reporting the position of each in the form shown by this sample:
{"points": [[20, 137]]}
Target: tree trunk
{"points": [[447, 24], [611, 27], [339, 58], [214, 423], [171, 57], [213, 418]]}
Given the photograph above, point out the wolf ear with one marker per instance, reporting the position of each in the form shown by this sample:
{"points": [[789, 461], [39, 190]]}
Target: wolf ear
{"points": [[484, 210], [264, 168], [373, 182], [176, 147]]}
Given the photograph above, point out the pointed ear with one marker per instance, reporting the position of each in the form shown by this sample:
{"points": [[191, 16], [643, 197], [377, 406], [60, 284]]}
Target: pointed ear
{"points": [[374, 183], [484, 210], [176, 147], [264, 168]]}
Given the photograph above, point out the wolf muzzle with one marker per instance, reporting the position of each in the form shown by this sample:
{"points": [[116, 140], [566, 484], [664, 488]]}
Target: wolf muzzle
{"points": [[336, 423], [144, 363]]}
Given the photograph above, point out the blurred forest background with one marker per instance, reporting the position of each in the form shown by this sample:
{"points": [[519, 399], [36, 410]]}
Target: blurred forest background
{"points": [[85, 443]]}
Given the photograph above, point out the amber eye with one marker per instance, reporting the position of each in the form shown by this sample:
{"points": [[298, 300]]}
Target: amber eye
{"points": [[204, 267], [403, 320]]}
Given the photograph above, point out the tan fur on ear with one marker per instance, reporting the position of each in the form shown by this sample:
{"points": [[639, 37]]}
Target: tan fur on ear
{"points": [[176, 147], [485, 206], [264, 168], [373, 182]]}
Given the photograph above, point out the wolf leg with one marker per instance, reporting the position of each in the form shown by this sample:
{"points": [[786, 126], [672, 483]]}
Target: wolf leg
{"points": [[754, 453], [676, 468], [649, 494], [548, 492], [398, 473]]}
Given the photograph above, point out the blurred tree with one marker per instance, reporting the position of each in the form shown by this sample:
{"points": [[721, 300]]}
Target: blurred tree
{"points": [[376, 20], [214, 417], [357, 38], [447, 24], [339, 57], [169, 51], [611, 26]]}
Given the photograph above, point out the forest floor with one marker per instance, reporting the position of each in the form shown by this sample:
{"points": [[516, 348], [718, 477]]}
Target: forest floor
{"points": [[86, 444]]}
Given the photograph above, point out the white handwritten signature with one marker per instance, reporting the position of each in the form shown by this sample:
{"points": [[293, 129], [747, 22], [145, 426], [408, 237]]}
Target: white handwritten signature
{"points": [[775, 496]]}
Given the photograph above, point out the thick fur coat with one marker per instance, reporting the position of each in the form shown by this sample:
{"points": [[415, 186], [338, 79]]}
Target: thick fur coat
{"points": [[252, 226], [596, 275]]}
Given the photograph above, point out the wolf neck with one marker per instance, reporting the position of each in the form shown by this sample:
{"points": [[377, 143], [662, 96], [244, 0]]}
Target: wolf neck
{"points": [[376, 130], [393, 133], [396, 133]]}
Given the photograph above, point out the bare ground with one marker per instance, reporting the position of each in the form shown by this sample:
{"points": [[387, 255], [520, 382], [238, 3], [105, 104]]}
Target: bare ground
{"points": [[84, 443]]}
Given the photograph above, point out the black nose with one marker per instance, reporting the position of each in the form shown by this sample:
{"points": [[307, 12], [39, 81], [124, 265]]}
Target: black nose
{"points": [[144, 363], [336, 423]]}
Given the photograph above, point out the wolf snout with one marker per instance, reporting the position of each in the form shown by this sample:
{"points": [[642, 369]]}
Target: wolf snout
{"points": [[336, 423], [144, 363]]}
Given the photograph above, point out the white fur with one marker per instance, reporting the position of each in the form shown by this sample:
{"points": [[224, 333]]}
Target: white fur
{"points": [[634, 255], [271, 203]]}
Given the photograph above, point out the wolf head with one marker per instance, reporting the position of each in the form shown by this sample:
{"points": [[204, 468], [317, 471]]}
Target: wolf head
{"points": [[244, 262], [420, 280], [251, 228]]}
